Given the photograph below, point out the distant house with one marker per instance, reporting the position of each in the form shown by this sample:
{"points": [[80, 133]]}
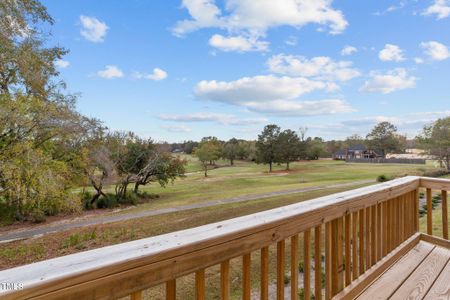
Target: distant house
{"points": [[358, 151]]}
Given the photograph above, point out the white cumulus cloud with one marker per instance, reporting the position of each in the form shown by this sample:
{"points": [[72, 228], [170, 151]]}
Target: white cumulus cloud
{"points": [[254, 18], [391, 53], [62, 63], [301, 108], [440, 8], [110, 72], [93, 29], [321, 67], [270, 94], [157, 74], [224, 119], [237, 43], [394, 80], [176, 128], [348, 50], [435, 50]]}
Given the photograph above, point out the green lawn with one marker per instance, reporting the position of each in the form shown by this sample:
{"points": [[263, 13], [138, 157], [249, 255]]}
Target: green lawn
{"points": [[246, 178], [223, 182]]}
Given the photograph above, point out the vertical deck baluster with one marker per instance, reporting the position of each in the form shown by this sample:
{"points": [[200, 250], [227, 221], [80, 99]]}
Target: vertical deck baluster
{"points": [[444, 214], [280, 270], [246, 288], [367, 237], [402, 218], [225, 280], [394, 227], [200, 284], [348, 258], [317, 263], [384, 221], [307, 264], [379, 233], [373, 235], [171, 289], [362, 217], [337, 272], [416, 210], [429, 213], [294, 267], [136, 295], [389, 225], [328, 255], [264, 273], [354, 245]]}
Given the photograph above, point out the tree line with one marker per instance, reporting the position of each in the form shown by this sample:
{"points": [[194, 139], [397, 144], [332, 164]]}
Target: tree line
{"points": [[276, 146], [47, 148]]}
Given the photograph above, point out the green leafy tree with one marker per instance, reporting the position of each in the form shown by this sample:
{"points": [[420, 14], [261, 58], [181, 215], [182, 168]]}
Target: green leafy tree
{"points": [[315, 148], [288, 146], [435, 138], [384, 136], [231, 150], [206, 152], [161, 168], [266, 146], [354, 139]]}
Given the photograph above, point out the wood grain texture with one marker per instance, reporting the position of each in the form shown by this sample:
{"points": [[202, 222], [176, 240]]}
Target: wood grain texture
{"points": [[171, 289], [328, 260], [429, 213], [444, 205], [384, 286], [264, 273], [280, 269], [357, 286], [136, 296], [294, 267], [354, 245], [246, 269], [317, 263], [440, 290], [141, 264], [307, 264], [225, 280], [423, 277], [347, 250], [361, 220], [200, 284]]}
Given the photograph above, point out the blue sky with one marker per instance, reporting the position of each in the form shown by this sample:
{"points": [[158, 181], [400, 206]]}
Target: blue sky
{"points": [[178, 70]]}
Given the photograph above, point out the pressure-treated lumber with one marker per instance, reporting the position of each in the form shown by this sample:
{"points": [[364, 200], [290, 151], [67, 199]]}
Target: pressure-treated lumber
{"points": [[135, 266]]}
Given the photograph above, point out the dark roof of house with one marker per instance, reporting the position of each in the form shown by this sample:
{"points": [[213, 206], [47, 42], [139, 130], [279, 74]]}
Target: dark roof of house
{"points": [[357, 147]]}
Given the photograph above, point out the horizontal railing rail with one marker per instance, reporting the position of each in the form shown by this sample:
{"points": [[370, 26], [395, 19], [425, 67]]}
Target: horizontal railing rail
{"points": [[351, 230]]}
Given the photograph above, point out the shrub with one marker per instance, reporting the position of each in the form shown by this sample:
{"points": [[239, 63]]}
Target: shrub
{"points": [[382, 178], [287, 278], [110, 201], [301, 294], [301, 267], [436, 173]]}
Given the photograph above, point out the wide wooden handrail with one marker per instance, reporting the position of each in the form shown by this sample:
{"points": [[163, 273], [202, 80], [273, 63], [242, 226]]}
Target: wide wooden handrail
{"points": [[122, 269]]}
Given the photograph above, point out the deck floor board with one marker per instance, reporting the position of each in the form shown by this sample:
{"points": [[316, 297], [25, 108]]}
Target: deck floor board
{"points": [[424, 276], [393, 278]]}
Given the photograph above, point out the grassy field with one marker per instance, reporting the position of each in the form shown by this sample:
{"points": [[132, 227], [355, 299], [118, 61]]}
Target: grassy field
{"points": [[247, 178], [242, 179]]}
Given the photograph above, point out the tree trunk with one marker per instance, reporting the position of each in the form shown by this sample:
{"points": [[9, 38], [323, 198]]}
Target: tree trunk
{"points": [[231, 161], [287, 165], [206, 170], [270, 167], [136, 187]]}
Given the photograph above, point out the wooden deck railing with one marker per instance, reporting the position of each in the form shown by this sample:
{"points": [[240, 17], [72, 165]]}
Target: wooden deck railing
{"points": [[352, 231]]}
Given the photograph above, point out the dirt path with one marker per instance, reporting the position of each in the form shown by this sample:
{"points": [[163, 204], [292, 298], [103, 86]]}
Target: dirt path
{"points": [[66, 225]]}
